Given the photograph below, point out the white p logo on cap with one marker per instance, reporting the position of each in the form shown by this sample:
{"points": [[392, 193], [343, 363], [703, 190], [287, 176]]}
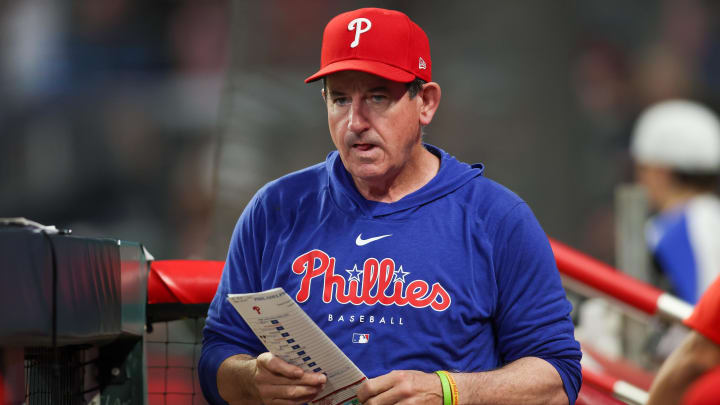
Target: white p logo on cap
{"points": [[359, 28]]}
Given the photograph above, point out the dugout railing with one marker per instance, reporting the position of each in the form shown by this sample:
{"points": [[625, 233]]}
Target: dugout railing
{"points": [[590, 277]]}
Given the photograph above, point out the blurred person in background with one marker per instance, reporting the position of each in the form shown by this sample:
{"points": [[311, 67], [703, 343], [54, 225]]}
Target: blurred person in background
{"points": [[676, 148], [691, 375], [113, 107], [483, 295]]}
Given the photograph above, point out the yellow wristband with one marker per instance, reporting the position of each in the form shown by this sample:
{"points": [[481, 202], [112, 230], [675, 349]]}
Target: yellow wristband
{"points": [[453, 389], [447, 391]]}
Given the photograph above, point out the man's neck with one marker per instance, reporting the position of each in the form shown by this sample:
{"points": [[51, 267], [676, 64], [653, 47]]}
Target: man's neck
{"points": [[410, 179], [678, 198]]}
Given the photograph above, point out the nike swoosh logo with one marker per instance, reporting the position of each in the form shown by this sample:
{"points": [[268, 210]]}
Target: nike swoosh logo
{"points": [[362, 242]]}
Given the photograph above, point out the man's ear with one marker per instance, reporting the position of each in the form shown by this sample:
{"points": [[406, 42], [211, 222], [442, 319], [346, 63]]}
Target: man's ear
{"points": [[324, 96], [430, 101]]}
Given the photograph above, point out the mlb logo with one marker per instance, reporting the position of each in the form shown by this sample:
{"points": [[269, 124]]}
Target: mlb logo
{"points": [[361, 337]]}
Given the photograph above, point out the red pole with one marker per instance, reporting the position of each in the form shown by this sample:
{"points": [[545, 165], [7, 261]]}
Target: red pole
{"points": [[620, 389], [616, 284], [598, 380]]}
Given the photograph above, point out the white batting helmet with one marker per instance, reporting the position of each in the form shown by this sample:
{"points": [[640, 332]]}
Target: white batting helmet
{"points": [[680, 134]]}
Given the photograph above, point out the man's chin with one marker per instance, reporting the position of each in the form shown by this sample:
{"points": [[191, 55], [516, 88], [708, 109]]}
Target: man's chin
{"points": [[367, 172]]}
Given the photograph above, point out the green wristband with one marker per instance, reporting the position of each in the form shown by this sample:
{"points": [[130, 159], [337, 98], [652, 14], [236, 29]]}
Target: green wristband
{"points": [[447, 394]]}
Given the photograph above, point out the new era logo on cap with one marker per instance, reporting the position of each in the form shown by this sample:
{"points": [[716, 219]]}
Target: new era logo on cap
{"points": [[382, 42]]}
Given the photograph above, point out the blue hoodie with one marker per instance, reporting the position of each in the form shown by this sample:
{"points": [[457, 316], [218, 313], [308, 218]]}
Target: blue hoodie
{"points": [[456, 276]]}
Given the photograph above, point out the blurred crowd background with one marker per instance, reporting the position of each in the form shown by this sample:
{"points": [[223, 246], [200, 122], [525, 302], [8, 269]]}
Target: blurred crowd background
{"points": [[156, 121]]}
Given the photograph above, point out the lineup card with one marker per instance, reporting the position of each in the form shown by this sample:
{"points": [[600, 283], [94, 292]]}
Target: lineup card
{"points": [[289, 333]]}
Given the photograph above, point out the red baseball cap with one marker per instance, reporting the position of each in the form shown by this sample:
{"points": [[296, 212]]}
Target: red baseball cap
{"points": [[383, 42]]}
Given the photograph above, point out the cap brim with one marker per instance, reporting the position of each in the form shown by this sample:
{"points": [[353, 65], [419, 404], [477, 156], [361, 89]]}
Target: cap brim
{"points": [[367, 66]]}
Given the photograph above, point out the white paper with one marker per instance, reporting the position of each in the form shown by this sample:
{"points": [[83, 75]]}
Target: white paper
{"points": [[289, 333]]}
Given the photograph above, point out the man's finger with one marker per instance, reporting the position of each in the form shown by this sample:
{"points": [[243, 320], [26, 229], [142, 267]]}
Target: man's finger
{"points": [[373, 387], [294, 393], [279, 366], [293, 375], [388, 397], [310, 379]]}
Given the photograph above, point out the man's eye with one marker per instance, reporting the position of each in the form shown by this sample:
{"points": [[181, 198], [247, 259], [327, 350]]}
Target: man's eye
{"points": [[378, 98], [341, 100]]}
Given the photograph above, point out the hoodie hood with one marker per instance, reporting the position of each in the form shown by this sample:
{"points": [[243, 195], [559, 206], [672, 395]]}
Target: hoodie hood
{"points": [[452, 175]]}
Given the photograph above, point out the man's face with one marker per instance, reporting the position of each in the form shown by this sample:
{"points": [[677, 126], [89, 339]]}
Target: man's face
{"points": [[374, 124], [657, 181]]}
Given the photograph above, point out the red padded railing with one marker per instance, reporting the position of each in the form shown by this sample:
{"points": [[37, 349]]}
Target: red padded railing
{"points": [[183, 281], [606, 279], [619, 389]]}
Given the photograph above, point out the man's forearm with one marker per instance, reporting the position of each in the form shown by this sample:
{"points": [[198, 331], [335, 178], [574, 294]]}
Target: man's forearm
{"points": [[696, 355], [234, 380], [529, 380]]}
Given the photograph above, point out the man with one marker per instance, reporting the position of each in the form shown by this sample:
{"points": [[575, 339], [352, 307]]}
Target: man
{"points": [[437, 267], [695, 364], [676, 147]]}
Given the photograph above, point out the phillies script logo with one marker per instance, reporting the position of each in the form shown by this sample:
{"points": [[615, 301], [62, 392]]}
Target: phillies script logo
{"points": [[381, 276]]}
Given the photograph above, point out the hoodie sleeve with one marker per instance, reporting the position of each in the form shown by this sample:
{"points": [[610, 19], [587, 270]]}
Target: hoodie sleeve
{"points": [[533, 314], [226, 333]]}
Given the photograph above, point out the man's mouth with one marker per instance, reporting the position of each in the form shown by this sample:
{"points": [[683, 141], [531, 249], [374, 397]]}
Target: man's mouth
{"points": [[363, 147]]}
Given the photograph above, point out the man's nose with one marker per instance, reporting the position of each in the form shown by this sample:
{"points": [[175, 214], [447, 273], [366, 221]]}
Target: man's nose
{"points": [[357, 122]]}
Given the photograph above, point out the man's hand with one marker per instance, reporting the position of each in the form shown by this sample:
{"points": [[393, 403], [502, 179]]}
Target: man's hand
{"points": [[402, 387], [279, 382], [528, 381], [267, 380]]}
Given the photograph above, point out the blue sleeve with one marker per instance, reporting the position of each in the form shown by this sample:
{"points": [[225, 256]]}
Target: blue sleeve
{"points": [[533, 313], [226, 333], [674, 255]]}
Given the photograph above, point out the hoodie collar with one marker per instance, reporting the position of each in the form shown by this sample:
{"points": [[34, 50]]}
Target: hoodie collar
{"points": [[451, 175]]}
